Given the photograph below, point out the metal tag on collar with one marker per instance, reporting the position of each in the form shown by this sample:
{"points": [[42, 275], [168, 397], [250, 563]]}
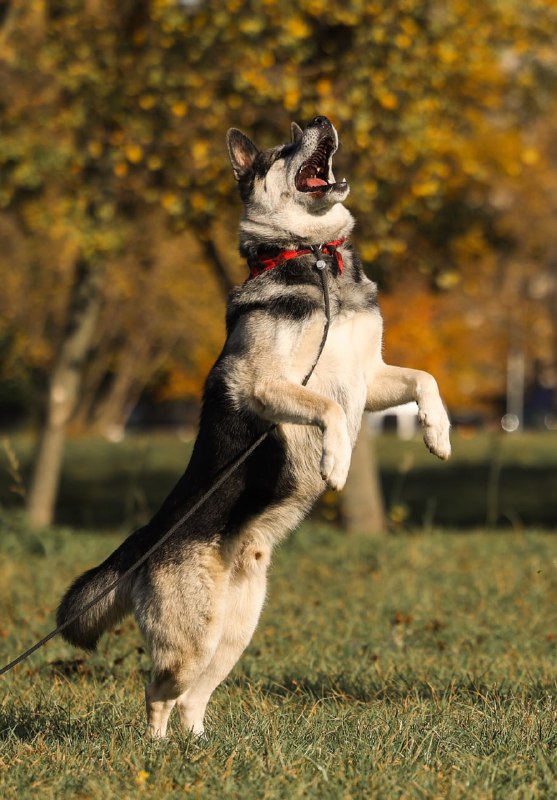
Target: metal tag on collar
{"points": [[317, 250]]}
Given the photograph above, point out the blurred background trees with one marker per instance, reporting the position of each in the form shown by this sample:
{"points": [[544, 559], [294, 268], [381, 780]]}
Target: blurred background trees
{"points": [[118, 212]]}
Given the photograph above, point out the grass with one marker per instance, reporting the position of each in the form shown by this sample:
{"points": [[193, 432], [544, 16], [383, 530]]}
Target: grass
{"points": [[412, 666], [497, 479]]}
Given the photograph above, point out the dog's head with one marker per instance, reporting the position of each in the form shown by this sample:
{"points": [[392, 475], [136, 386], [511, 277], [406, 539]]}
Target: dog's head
{"points": [[291, 189]]}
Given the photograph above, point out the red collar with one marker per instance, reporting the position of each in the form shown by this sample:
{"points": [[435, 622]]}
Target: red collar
{"points": [[266, 264]]}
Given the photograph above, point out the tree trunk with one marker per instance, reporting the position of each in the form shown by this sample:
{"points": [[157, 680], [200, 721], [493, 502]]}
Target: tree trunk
{"points": [[361, 501], [63, 393], [113, 410], [95, 373], [220, 269]]}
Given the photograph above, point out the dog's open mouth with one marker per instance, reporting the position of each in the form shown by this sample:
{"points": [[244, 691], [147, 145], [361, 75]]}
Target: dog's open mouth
{"points": [[313, 175]]}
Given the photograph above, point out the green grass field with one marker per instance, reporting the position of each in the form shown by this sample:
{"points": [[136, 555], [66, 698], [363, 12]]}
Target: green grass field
{"points": [[413, 666]]}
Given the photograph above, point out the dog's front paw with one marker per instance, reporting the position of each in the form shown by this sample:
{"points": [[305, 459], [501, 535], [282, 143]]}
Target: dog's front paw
{"points": [[337, 452], [436, 429]]}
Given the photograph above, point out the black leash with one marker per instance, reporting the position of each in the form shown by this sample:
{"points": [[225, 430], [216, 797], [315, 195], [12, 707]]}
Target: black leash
{"points": [[320, 265]]}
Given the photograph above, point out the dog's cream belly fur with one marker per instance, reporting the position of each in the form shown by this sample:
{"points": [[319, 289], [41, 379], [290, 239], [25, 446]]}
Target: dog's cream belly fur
{"points": [[346, 365], [342, 374]]}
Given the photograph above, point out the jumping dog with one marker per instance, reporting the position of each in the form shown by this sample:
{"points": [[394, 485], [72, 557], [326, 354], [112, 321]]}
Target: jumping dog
{"points": [[197, 601]]}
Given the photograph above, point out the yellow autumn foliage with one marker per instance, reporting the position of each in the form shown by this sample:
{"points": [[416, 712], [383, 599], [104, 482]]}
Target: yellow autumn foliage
{"points": [[115, 130]]}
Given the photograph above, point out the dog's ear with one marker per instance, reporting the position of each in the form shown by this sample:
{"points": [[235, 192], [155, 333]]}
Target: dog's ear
{"points": [[297, 132], [242, 152]]}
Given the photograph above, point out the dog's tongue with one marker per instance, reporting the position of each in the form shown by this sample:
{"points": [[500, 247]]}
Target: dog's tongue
{"points": [[316, 182]]}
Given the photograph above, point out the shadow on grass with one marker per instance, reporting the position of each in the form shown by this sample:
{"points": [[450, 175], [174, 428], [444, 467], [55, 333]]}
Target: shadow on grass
{"points": [[455, 497], [108, 486], [26, 724], [458, 496], [401, 688], [60, 723], [87, 718], [101, 671]]}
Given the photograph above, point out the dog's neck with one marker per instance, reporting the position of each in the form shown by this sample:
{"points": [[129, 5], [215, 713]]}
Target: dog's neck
{"points": [[265, 260], [288, 229]]}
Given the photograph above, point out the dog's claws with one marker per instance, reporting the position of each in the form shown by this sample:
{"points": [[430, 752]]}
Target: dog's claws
{"points": [[334, 477], [335, 484], [443, 454], [436, 433], [335, 459]]}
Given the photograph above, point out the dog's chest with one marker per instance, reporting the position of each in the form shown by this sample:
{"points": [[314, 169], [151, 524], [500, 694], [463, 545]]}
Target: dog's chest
{"points": [[344, 368]]}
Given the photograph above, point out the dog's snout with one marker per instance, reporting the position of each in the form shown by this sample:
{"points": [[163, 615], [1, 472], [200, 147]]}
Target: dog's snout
{"points": [[319, 122]]}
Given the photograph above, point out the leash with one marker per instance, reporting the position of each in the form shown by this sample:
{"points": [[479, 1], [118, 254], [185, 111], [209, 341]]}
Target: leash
{"points": [[227, 472]]}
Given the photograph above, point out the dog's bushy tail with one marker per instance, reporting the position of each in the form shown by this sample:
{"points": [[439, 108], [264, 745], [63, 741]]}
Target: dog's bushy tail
{"points": [[88, 628]]}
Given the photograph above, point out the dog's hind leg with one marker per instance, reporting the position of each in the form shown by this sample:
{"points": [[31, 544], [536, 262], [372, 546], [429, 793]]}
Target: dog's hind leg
{"points": [[180, 611], [244, 600], [171, 683], [160, 699]]}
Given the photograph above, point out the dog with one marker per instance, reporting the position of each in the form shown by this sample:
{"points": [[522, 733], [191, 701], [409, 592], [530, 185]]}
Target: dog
{"points": [[197, 600]]}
